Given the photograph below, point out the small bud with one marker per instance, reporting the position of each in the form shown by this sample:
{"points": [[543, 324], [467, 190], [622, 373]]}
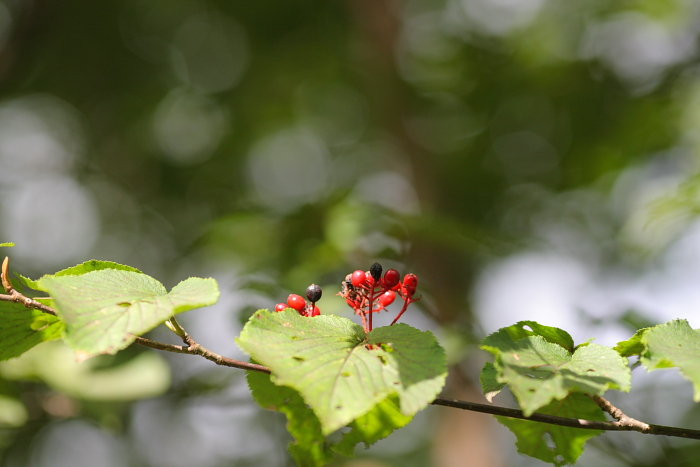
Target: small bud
{"points": [[376, 271], [313, 293]]}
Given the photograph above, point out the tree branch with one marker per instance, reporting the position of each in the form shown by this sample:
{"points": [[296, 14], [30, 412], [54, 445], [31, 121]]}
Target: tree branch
{"points": [[191, 347], [197, 349], [16, 297], [619, 415]]}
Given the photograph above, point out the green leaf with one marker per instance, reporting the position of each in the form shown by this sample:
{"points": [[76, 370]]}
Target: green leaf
{"points": [[505, 337], [310, 448], [105, 310], [83, 268], [489, 381], [328, 359], [378, 423], [7, 244], [539, 372], [674, 344], [22, 328], [633, 346], [555, 444]]}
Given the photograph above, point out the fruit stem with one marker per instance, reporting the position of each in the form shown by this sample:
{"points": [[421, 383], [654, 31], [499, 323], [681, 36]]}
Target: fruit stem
{"points": [[369, 306], [407, 301]]}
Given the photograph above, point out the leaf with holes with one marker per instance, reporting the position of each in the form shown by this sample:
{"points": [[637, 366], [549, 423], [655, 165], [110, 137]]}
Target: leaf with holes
{"points": [[340, 371], [507, 336], [555, 444], [539, 372], [105, 310], [22, 328], [674, 344]]}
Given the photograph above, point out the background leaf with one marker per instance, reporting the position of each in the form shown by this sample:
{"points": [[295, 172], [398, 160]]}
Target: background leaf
{"points": [[7, 244], [22, 328], [327, 360], [104, 310], [557, 445], [674, 344], [539, 372]]}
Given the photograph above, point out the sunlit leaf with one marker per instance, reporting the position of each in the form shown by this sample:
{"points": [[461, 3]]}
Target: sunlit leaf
{"points": [[507, 336], [105, 310], [674, 344], [539, 372], [7, 244], [83, 268], [341, 372]]}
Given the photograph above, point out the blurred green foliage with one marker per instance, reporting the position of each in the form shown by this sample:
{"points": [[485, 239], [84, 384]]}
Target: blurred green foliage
{"points": [[292, 142]]}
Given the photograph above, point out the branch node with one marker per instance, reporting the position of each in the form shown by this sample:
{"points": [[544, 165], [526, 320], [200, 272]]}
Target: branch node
{"points": [[622, 419]]}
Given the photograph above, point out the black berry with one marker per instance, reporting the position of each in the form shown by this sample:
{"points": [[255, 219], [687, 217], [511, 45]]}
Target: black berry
{"points": [[376, 271], [313, 293]]}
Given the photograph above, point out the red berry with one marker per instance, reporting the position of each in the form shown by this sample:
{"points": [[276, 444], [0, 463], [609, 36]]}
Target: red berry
{"points": [[315, 312], [387, 298], [297, 302], [358, 278], [410, 282], [391, 278], [281, 307], [369, 278]]}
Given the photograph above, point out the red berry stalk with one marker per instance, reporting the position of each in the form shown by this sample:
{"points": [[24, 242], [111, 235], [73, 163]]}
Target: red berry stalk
{"points": [[362, 290]]}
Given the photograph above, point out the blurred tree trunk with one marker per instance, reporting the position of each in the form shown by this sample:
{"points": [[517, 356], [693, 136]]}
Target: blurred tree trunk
{"points": [[460, 437]]}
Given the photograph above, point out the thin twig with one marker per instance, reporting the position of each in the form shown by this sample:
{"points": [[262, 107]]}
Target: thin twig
{"points": [[623, 423]]}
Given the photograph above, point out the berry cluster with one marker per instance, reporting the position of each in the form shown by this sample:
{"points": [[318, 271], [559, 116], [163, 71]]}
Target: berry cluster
{"points": [[313, 293], [368, 292]]}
